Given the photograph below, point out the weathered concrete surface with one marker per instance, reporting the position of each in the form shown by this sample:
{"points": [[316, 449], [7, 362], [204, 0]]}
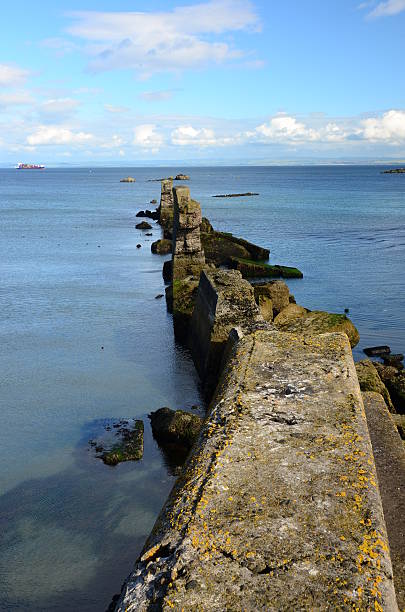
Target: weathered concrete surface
{"points": [[389, 455], [188, 255], [319, 322], [166, 204], [278, 507], [224, 300]]}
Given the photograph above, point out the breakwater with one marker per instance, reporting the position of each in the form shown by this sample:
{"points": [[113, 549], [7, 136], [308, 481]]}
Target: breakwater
{"points": [[278, 506]]}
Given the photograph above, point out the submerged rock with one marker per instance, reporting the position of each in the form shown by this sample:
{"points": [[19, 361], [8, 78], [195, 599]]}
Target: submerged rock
{"points": [[370, 380], [161, 247], [252, 269], [175, 427], [318, 322], [236, 195], [144, 225], [377, 351], [129, 449]]}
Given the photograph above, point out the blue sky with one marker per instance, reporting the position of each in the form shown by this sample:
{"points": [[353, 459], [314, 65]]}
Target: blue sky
{"points": [[214, 79]]}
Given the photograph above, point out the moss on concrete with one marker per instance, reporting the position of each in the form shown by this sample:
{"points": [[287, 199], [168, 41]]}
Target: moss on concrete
{"points": [[254, 269]]}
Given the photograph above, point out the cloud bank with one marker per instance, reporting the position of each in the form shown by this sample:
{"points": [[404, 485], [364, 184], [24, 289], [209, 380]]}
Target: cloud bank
{"points": [[184, 38]]}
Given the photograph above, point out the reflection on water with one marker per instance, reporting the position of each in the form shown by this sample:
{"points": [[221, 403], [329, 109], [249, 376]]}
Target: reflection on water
{"points": [[83, 339]]}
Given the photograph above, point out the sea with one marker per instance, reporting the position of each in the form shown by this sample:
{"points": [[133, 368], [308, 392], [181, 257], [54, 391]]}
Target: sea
{"points": [[85, 341]]}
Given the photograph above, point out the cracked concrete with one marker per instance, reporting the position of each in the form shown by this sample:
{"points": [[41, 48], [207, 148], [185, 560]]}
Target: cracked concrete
{"points": [[278, 507]]}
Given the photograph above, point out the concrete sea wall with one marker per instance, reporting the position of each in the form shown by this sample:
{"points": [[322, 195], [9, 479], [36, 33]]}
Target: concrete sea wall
{"points": [[278, 506]]}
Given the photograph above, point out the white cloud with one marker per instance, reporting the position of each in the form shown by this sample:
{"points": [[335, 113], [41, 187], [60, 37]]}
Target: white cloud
{"points": [[56, 135], [11, 76], [389, 128], [187, 135], [285, 128], [154, 42], [58, 107], [157, 96], [388, 8], [147, 137], [15, 98], [115, 109]]}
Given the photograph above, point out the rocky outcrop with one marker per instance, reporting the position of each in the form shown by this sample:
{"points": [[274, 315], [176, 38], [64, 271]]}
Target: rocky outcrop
{"points": [[161, 247], [188, 255], [318, 322], [370, 380], [166, 204], [128, 179], [254, 269], [144, 225], [394, 171], [278, 505], [224, 301], [175, 427], [220, 247]]}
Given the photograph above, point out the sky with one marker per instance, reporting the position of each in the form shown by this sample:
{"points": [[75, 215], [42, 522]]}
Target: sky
{"points": [[218, 80]]}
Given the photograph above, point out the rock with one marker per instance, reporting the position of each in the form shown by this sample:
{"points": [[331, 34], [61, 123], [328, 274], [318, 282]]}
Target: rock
{"points": [[144, 225], [206, 226], [153, 202], [394, 171], [149, 214], [130, 449], [318, 322], [128, 179], [263, 300], [161, 247], [236, 195], [278, 293], [149, 234], [182, 177], [219, 247], [175, 426], [291, 312], [159, 296], [252, 269], [188, 255], [369, 380], [377, 351], [138, 246], [394, 380], [166, 204], [394, 361]]}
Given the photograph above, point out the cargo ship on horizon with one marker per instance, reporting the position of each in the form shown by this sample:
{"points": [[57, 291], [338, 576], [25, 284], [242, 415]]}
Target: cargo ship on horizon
{"points": [[21, 166]]}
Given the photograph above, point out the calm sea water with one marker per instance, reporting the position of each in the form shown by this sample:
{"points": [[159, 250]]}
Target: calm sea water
{"points": [[73, 281]]}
